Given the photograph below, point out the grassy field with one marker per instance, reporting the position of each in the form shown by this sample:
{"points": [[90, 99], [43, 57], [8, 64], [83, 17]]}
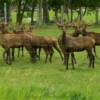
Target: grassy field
{"points": [[24, 80]]}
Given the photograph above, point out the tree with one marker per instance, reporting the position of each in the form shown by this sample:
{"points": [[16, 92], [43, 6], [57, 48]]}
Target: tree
{"points": [[2, 2], [40, 12], [55, 5], [45, 12], [34, 3]]}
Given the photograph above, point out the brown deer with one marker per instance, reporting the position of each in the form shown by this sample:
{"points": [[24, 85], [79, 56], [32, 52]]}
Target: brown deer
{"points": [[47, 43], [81, 30], [10, 40], [60, 25], [71, 44]]}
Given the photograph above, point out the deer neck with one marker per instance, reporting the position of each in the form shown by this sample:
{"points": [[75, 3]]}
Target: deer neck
{"points": [[1, 37], [85, 32], [75, 34], [63, 37]]}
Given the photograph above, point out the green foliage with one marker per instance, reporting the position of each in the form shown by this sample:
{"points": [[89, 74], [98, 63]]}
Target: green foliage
{"points": [[54, 4]]}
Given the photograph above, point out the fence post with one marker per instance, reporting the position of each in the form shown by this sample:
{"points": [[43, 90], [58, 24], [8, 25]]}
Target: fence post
{"points": [[5, 13]]}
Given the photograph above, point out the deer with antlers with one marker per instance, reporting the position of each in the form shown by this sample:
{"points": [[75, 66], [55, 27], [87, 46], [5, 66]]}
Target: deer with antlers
{"points": [[82, 27], [69, 45]]}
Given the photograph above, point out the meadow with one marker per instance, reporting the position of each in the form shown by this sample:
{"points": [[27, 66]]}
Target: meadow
{"points": [[24, 80]]}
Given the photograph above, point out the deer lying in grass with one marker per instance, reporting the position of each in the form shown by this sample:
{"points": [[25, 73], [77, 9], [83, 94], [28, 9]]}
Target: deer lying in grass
{"points": [[71, 44]]}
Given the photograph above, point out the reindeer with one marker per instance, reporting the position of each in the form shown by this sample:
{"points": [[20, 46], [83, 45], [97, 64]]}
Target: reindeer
{"points": [[71, 44]]}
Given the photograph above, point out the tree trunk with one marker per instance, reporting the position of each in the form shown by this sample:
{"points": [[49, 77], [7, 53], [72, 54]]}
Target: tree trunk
{"points": [[81, 13], [62, 13], [18, 11], [5, 11], [8, 13], [45, 12], [56, 14], [40, 13], [67, 12], [32, 14], [85, 11], [96, 15], [71, 14], [21, 15]]}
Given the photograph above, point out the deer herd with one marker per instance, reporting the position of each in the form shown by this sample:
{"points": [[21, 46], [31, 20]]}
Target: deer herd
{"points": [[65, 45]]}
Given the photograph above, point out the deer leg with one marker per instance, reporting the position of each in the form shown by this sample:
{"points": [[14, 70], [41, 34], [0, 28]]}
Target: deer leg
{"points": [[64, 62], [47, 53], [9, 60], [13, 56], [91, 58], [93, 64], [39, 52], [5, 55], [66, 59], [73, 59], [22, 51], [95, 50], [18, 51], [57, 49], [35, 53], [31, 51], [51, 54]]}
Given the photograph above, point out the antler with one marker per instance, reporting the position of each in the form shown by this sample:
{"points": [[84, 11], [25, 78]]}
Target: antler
{"points": [[84, 25], [60, 25], [72, 24]]}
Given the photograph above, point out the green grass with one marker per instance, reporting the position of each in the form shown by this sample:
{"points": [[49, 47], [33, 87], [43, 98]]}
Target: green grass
{"points": [[24, 80]]}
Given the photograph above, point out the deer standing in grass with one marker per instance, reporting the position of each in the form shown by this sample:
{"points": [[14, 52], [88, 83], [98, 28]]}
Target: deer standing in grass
{"points": [[71, 44]]}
